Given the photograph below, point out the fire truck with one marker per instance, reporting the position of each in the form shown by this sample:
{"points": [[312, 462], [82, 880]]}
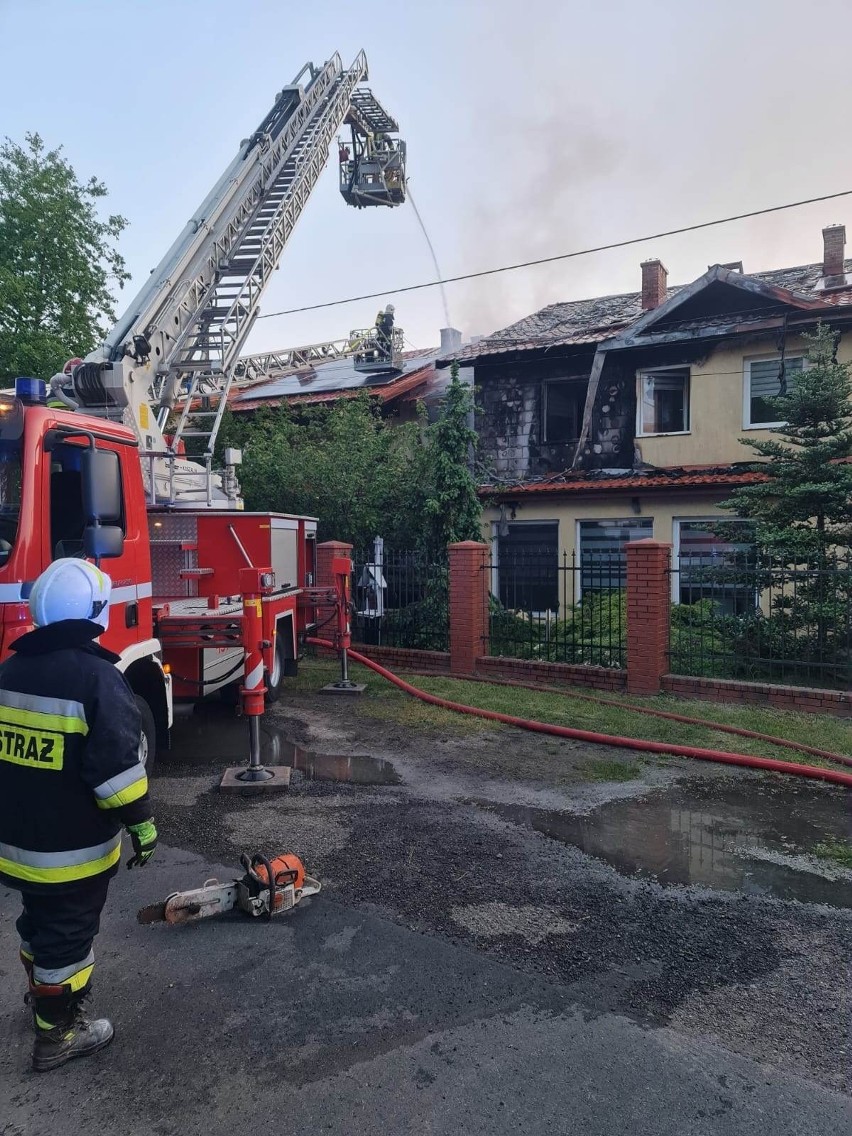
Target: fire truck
{"points": [[113, 459]]}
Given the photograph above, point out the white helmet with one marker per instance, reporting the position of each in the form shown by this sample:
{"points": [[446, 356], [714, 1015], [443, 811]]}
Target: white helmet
{"points": [[71, 589]]}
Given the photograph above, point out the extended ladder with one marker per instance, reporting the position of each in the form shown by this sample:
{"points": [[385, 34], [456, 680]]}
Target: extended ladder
{"points": [[213, 338], [167, 365]]}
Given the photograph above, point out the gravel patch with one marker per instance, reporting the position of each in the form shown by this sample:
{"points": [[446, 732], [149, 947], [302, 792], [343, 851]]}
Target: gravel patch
{"points": [[490, 920]]}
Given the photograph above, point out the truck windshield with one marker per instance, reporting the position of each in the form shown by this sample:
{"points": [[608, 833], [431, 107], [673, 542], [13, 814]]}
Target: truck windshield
{"points": [[10, 495]]}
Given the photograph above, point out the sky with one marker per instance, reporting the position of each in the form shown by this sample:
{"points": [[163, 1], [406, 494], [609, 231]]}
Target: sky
{"points": [[533, 129]]}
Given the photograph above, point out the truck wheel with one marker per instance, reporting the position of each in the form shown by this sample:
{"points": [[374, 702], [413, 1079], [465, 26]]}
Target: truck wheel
{"points": [[148, 735], [274, 681]]}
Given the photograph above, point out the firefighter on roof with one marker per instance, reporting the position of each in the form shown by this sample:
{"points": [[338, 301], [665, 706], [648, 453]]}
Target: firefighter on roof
{"points": [[70, 778]]}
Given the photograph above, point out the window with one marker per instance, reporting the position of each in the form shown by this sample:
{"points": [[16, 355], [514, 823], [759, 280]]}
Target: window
{"points": [[708, 567], [10, 495], [664, 401], [603, 561], [11, 474], [528, 566], [563, 410], [764, 382], [66, 500]]}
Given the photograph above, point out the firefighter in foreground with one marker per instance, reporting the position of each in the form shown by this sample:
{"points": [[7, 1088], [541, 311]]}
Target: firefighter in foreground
{"points": [[70, 779]]}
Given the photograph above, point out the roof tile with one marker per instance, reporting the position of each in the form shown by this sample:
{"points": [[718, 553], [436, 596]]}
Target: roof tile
{"points": [[590, 321], [596, 481]]}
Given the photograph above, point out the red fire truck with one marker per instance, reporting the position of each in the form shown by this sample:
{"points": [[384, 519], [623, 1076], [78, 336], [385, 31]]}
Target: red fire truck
{"points": [[95, 463]]}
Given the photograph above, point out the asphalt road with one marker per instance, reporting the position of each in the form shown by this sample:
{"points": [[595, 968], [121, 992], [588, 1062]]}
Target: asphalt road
{"points": [[337, 1020], [460, 972]]}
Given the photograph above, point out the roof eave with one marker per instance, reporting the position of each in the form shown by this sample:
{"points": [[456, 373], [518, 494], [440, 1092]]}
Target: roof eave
{"points": [[630, 484]]}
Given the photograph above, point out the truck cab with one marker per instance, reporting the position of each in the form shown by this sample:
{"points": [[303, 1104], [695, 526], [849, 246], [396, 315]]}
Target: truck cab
{"points": [[49, 480]]}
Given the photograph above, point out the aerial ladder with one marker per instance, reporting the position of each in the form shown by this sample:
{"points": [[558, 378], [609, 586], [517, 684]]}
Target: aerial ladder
{"points": [[169, 363], [265, 365]]}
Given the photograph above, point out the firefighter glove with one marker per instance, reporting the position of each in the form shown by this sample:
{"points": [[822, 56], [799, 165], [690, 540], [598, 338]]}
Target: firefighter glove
{"points": [[144, 837]]}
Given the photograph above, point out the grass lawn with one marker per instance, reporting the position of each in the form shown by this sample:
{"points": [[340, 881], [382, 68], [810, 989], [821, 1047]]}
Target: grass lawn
{"points": [[385, 701], [837, 851]]}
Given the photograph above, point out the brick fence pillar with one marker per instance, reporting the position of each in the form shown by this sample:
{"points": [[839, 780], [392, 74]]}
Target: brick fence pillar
{"points": [[326, 552], [648, 614], [469, 592]]}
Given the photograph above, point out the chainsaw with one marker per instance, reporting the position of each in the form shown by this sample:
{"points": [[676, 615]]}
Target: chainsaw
{"points": [[269, 887]]}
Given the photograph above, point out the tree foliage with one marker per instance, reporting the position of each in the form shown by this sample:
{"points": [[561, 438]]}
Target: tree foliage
{"points": [[361, 475], [57, 260], [804, 506], [342, 464], [452, 510], [802, 519]]}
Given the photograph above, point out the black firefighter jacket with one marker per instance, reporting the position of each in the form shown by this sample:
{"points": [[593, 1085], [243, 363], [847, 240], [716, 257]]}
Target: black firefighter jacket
{"points": [[70, 776]]}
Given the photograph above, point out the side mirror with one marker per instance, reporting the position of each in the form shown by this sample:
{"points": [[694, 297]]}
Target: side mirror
{"points": [[101, 485], [102, 542]]}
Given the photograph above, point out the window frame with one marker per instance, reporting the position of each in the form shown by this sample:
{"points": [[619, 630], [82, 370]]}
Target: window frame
{"points": [[579, 380], [770, 357], [687, 402]]}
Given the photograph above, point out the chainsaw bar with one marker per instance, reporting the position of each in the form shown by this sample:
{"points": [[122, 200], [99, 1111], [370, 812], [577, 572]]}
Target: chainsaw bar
{"points": [[213, 898]]}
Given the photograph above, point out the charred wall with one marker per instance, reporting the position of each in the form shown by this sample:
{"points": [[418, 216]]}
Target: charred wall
{"points": [[611, 438], [511, 403], [510, 421]]}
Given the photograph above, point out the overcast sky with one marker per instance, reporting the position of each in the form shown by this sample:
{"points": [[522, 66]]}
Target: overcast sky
{"points": [[533, 128]]}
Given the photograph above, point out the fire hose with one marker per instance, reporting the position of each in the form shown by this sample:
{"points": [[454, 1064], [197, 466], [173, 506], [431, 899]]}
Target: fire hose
{"points": [[709, 723], [772, 765]]}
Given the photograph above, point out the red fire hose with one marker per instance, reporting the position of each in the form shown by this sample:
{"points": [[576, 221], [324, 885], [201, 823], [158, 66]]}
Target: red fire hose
{"points": [[770, 764], [741, 731]]}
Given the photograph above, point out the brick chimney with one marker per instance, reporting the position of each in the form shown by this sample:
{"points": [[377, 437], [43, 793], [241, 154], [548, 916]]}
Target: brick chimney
{"points": [[654, 276], [834, 247]]}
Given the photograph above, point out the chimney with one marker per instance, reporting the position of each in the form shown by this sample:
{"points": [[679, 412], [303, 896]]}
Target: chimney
{"points": [[451, 341], [834, 245], [654, 276]]}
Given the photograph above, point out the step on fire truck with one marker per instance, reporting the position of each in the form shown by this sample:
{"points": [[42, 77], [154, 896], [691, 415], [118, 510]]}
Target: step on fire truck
{"points": [[205, 595]]}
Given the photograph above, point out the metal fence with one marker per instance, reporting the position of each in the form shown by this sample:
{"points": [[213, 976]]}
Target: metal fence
{"points": [[735, 614], [764, 618], [567, 611], [401, 599]]}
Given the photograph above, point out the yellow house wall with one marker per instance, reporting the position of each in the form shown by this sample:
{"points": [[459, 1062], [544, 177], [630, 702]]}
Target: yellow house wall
{"points": [[716, 408], [662, 508]]}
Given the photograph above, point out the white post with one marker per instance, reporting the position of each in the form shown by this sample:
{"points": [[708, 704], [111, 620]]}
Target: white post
{"points": [[379, 562]]}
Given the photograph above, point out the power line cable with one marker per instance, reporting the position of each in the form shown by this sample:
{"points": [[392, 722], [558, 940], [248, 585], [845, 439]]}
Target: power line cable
{"points": [[553, 259]]}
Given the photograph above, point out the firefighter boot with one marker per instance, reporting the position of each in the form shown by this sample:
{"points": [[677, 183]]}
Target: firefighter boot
{"points": [[64, 1032]]}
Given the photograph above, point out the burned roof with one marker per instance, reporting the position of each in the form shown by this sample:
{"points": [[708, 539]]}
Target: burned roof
{"points": [[325, 382], [590, 321]]}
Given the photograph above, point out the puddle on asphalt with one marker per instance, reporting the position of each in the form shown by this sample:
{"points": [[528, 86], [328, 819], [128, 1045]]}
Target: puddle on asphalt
{"points": [[710, 834], [213, 732]]}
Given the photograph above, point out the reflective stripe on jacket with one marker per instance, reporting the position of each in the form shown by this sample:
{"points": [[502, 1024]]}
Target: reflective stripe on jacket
{"points": [[59, 867], [70, 775]]}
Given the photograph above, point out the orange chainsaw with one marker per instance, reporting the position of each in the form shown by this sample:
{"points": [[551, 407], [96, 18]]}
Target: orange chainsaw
{"points": [[269, 887]]}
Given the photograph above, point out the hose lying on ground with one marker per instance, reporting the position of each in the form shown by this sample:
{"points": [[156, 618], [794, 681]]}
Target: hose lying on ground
{"points": [[741, 731], [766, 763]]}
